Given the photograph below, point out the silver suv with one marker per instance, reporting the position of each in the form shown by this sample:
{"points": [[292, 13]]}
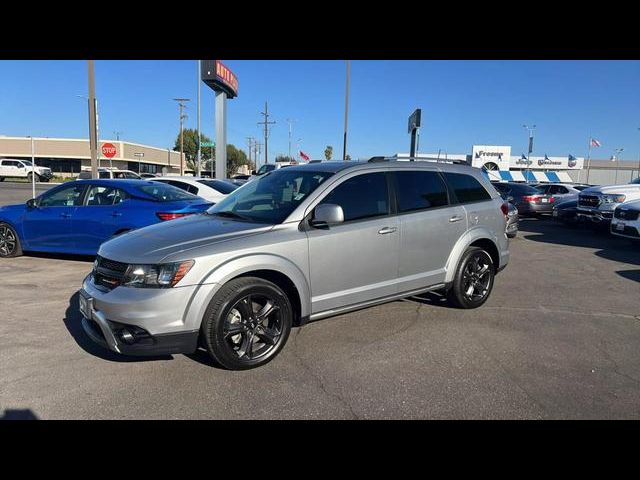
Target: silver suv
{"points": [[294, 245]]}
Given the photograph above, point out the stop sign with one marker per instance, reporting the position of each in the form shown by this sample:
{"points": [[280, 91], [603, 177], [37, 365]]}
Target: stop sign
{"points": [[109, 150]]}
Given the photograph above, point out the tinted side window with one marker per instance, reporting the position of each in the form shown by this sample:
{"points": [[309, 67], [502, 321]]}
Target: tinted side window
{"points": [[417, 190], [102, 175], [363, 196], [467, 188], [65, 197]]}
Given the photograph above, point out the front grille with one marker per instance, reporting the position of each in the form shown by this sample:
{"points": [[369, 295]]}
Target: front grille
{"points": [[108, 273], [588, 200], [626, 214], [629, 232]]}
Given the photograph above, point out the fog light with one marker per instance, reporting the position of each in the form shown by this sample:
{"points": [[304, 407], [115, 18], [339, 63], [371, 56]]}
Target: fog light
{"points": [[127, 337]]}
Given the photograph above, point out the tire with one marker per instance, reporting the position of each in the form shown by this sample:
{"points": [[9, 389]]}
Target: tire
{"points": [[1, 179], [229, 312], [29, 175], [9, 242], [467, 272]]}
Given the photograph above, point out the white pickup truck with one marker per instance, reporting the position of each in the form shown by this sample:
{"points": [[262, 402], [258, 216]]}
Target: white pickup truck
{"points": [[19, 168], [596, 204]]}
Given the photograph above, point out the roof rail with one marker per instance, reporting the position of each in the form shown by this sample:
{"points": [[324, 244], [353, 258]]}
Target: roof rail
{"points": [[378, 159]]}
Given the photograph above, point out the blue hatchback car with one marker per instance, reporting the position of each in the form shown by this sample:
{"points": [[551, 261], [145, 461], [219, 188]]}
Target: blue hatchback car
{"points": [[77, 217]]}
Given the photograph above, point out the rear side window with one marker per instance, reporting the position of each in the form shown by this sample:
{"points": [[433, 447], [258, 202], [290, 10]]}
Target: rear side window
{"points": [[418, 190], [467, 188], [222, 187], [363, 196], [103, 175]]}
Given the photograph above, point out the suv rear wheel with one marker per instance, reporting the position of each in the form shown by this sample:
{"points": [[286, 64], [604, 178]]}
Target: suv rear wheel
{"points": [[247, 323], [9, 242], [473, 281]]}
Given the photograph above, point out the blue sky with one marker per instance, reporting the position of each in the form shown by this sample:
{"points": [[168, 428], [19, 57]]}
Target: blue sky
{"points": [[463, 103]]}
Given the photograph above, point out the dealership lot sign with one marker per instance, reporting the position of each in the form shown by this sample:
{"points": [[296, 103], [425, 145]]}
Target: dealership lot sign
{"points": [[491, 157]]}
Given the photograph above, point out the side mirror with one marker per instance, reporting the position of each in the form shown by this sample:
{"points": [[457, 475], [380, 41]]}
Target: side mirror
{"points": [[327, 214], [31, 203], [509, 198], [253, 172]]}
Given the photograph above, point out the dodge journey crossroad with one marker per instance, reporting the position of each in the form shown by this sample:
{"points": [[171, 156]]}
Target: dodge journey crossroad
{"points": [[294, 245]]}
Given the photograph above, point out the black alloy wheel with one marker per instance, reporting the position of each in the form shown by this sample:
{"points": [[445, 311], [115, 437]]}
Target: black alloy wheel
{"points": [[473, 281], [9, 242]]}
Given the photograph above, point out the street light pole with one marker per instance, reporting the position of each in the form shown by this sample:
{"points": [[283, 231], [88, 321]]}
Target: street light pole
{"points": [[346, 112], [530, 129], [198, 136], [93, 132], [33, 171]]}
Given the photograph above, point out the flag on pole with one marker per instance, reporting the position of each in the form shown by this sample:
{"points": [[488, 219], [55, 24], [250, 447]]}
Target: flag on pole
{"points": [[595, 143], [304, 156]]}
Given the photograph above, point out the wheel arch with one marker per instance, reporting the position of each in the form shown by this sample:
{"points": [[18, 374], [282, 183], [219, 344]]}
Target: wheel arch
{"points": [[273, 268], [477, 237]]}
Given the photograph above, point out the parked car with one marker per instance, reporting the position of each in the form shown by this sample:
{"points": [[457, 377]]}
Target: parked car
{"points": [[110, 173], [597, 204], [147, 175], [626, 221], [527, 199], [210, 189], [566, 212], [296, 244], [76, 217], [270, 167], [561, 192], [19, 168]]}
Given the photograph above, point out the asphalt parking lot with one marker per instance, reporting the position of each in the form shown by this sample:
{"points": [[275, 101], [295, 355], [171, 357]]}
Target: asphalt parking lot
{"points": [[557, 339]]}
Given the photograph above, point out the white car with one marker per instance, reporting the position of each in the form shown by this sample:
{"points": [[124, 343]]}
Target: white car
{"points": [[19, 168], [210, 189], [626, 220], [109, 173], [562, 192]]}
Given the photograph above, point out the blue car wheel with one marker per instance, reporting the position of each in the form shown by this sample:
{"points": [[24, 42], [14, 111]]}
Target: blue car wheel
{"points": [[9, 242]]}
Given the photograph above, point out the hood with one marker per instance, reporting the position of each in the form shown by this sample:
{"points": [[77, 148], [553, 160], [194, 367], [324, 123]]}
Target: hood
{"points": [[154, 243], [624, 188], [10, 212]]}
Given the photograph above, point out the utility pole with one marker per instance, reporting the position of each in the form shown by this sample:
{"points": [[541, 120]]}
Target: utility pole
{"points": [[346, 112], [258, 151], [93, 133], [117, 134], [266, 123], [182, 102], [250, 142]]}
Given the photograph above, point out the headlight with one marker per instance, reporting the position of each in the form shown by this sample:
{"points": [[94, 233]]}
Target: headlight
{"points": [[613, 198], [156, 276]]}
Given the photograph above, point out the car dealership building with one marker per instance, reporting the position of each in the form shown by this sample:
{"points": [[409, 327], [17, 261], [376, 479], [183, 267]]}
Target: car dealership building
{"points": [[68, 156]]}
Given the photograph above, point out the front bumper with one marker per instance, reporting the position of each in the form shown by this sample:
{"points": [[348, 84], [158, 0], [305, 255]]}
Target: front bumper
{"points": [[627, 229], [135, 321], [594, 215], [46, 175]]}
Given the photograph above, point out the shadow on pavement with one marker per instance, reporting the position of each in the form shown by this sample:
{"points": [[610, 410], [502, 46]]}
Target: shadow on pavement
{"points": [[25, 414], [61, 256], [630, 274], [72, 321], [429, 298], [610, 247]]}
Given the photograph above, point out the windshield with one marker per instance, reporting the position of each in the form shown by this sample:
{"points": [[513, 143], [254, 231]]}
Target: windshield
{"points": [[26, 162], [166, 193], [222, 187], [271, 198]]}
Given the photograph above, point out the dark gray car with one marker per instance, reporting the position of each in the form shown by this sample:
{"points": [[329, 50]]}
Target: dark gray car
{"points": [[527, 199]]}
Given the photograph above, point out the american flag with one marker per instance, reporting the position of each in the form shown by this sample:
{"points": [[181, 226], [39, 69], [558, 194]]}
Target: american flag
{"points": [[304, 156], [595, 143]]}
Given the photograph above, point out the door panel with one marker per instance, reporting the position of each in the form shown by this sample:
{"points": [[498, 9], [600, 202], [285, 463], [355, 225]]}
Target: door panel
{"points": [[352, 263]]}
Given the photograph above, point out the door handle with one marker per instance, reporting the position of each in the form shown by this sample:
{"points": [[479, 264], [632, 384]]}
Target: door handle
{"points": [[65, 215], [385, 230], [116, 214], [455, 218]]}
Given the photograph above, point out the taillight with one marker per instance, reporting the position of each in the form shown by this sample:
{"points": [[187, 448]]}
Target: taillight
{"points": [[529, 198], [552, 199], [164, 216], [505, 208]]}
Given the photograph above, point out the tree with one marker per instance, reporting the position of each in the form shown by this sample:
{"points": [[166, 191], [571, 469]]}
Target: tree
{"points": [[348, 157], [328, 152], [235, 159], [191, 148]]}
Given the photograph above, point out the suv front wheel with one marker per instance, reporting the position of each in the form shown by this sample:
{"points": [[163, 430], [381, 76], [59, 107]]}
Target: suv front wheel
{"points": [[473, 281], [247, 323]]}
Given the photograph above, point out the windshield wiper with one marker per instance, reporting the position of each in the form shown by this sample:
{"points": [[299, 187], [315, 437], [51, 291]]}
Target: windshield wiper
{"points": [[230, 214]]}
